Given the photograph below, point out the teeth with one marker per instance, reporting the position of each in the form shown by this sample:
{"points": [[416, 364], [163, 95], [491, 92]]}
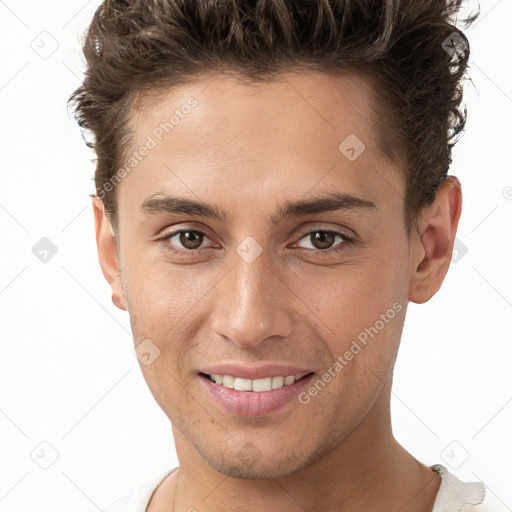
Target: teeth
{"points": [[258, 385], [227, 381], [243, 384]]}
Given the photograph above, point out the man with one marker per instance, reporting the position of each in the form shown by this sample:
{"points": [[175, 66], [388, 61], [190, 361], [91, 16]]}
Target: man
{"points": [[271, 192]]}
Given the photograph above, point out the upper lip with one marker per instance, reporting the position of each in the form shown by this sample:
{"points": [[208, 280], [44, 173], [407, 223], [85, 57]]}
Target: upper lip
{"points": [[255, 372]]}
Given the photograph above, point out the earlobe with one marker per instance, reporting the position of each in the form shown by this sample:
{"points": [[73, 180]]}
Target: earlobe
{"points": [[432, 245], [108, 253]]}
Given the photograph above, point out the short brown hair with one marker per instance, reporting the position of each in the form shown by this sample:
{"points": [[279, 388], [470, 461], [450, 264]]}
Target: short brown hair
{"points": [[410, 50]]}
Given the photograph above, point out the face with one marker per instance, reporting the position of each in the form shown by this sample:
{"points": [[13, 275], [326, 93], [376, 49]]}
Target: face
{"points": [[264, 281]]}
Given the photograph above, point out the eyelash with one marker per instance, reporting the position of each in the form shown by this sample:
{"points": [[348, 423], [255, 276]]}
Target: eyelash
{"points": [[348, 240]]}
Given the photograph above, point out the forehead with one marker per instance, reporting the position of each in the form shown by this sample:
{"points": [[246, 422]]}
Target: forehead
{"points": [[259, 138], [275, 111]]}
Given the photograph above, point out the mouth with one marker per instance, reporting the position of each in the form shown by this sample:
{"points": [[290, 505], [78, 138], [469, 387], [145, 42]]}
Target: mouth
{"points": [[252, 398]]}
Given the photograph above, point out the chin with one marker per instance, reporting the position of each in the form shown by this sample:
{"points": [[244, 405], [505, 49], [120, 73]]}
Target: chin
{"points": [[247, 464]]}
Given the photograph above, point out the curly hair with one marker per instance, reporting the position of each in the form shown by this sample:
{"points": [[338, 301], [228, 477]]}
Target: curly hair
{"points": [[410, 50]]}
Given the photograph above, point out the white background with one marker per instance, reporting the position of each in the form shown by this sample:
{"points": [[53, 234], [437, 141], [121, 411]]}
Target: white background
{"points": [[67, 373]]}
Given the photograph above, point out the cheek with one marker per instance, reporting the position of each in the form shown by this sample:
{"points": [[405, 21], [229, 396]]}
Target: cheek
{"points": [[362, 302], [166, 304], [358, 295], [159, 289]]}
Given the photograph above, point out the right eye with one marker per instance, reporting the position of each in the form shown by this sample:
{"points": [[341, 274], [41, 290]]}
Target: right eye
{"points": [[189, 239]]}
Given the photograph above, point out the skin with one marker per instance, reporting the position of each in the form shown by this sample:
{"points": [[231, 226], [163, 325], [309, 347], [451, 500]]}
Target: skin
{"points": [[247, 149]]}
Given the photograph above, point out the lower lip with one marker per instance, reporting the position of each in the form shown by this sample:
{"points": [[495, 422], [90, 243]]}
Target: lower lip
{"points": [[253, 403]]}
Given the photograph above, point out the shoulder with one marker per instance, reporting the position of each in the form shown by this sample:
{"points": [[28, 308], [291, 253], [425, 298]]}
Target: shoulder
{"points": [[119, 505], [138, 500], [455, 495]]}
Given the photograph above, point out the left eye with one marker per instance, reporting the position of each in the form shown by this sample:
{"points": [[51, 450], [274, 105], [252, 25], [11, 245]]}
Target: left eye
{"points": [[323, 240]]}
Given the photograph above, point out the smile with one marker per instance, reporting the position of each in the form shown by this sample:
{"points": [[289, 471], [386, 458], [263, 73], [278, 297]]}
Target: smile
{"points": [[258, 397], [257, 385]]}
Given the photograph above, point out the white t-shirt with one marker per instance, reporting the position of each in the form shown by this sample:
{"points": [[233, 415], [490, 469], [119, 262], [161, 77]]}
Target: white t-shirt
{"points": [[453, 495]]}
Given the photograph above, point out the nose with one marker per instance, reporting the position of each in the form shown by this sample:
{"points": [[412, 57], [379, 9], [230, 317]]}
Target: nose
{"points": [[252, 303]]}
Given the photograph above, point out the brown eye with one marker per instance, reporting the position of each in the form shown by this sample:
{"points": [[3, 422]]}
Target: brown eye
{"points": [[323, 239], [191, 239], [323, 242], [186, 242]]}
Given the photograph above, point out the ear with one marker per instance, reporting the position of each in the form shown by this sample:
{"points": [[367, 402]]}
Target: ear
{"points": [[108, 252], [432, 244]]}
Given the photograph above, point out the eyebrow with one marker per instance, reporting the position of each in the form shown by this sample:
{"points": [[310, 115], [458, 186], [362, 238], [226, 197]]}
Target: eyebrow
{"points": [[325, 203]]}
